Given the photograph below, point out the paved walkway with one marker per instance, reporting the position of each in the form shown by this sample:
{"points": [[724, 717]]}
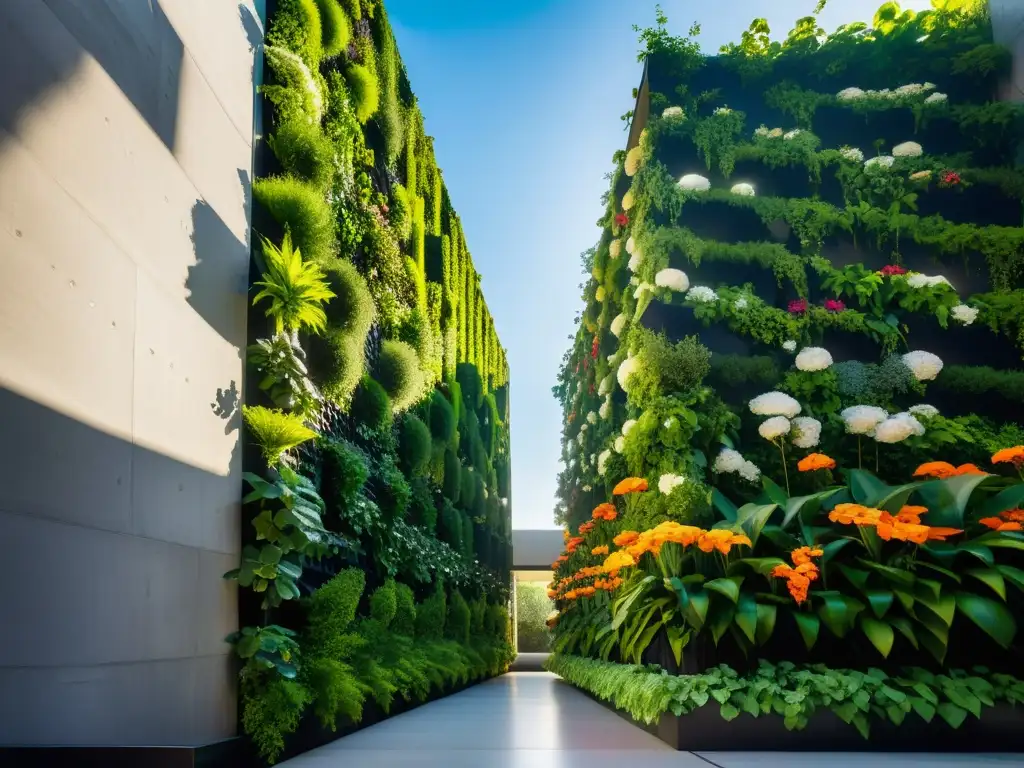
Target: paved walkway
{"points": [[534, 720]]}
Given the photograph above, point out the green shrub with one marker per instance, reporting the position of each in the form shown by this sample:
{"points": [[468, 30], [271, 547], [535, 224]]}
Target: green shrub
{"points": [[352, 307], [400, 374], [441, 417], [504, 476], [275, 431], [336, 691], [365, 90], [345, 472], [450, 529], [422, 509], [489, 425], [400, 213], [532, 609], [477, 617], [457, 625], [666, 368], [337, 30], [337, 362], [467, 494], [303, 210], [498, 625], [415, 331], [384, 603], [468, 536], [452, 488], [331, 612], [371, 404], [730, 371], [391, 490], [272, 709], [430, 616], [353, 8], [413, 445], [404, 622], [296, 25], [980, 381], [304, 151], [472, 388]]}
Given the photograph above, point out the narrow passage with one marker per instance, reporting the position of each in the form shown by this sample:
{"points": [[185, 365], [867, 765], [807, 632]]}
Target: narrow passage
{"points": [[534, 720]]}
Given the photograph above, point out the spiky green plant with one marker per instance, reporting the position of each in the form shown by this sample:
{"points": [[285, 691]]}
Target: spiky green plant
{"points": [[296, 289], [275, 431]]}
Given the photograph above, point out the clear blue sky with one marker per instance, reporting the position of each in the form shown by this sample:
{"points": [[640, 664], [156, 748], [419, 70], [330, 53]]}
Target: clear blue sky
{"points": [[523, 98]]}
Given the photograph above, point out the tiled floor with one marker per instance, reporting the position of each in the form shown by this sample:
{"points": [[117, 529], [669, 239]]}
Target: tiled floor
{"points": [[534, 720]]}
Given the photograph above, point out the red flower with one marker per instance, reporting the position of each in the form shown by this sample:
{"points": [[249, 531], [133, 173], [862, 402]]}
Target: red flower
{"points": [[593, 348], [621, 219], [891, 269], [384, 208], [834, 305], [951, 177], [797, 306]]}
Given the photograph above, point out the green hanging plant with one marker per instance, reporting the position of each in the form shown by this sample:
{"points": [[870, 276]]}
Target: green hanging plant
{"points": [[275, 431], [296, 289]]}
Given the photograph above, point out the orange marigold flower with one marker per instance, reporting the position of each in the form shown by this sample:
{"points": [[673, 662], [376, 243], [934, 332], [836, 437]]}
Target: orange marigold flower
{"points": [[815, 462], [911, 514], [854, 514], [573, 544], [970, 469], [586, 591], [572, 594], [587, 527], [804, 555], [617, 560], [604, 511], [1013, 455], [938, 533], [1016, 515], [720, 539], [998, 524], [630, 485], [626, 538], [602, 550], [936, 469]]}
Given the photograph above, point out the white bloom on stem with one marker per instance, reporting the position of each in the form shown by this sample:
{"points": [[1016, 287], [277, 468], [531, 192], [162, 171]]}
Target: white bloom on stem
{"points": [[633, 158], [907, 149], [936, 98], [924, 365], [620, 444], [852, 153], [602, 461], [630, 245], [669, 482], [850, 94], [606, 385], [629, 366], [910, 89], [883, 160], [615, 248], [918, 280], [749, 471], [618, 324], [774, 404], [606, 409], [583, 428], [741, 302], [634, 262], [587, 488], [673, 279], [702, 294], [592, 418], [813, 359], [671, 112], [727, 461], [627, 200], [627, 426], [964, 314], [695, 182], [775, 133], [722, 111], [762, 130], [789, 345], [791, 134], [862, 419], [743, 189], [774, 428], [806, 432], [581, 437], [924, 411], [898, 428]]}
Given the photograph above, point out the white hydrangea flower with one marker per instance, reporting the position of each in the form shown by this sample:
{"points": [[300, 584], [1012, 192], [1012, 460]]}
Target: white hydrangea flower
{"points": [[631, 247], [918, 280], [669, 482], [813, 359], [789, 345], [618, 324], [593, 458], [602, 461], [852, 153], [627, 200], [606, 385], [605, 410], [929, 86], [673, 279], [628, 367], [620, 444], [924, 365], [632, 163], [741, 303], [634, 280], [671, 112], [806, 432], [862, 419], [634, 262], [702, 294], [936, 98], [727, 461], [583, 428], [749, 471], [695, 183], [774, 404], [592, 418], [924, 411], [627, 426], [587, 488], [964, 314], [581, 437], [774, 428], [907, 149], [910, 89], [722, 111], [898, 428], [883, 160], [615, 248], [791, 134], [775, 133], [850, 94], [762, 130], [743, 189]]}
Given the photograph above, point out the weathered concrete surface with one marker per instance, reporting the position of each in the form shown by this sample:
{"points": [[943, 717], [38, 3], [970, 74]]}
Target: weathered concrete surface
{"points": [[1008, 30], [125, 162]]}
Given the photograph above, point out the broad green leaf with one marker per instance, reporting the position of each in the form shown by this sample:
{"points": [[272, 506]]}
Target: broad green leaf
{"points": [[766, 616], [944, 607], [856, 576], [728, 587], [991, 616], [719, 618], [622, 607], [644, 640], [781, 539], [939, 569], [895, 575], [879, 633], [1014, 575], [1006, 499], [753, 517], [746, 616], [775, 493], [838, 612], [761, 565], [286, 669], [725, 507], [729, 712], [866, 488], [290, 569], [248, 646], [270, 554], [924, 709], [677, 640], [902, 625], [895, 498], [880, 600], [930, 588], [948, 499], [980, 551], [991, 577], [809, 626], [952, 714], [832, 549], [1008, 540], [804, 508], [935, 640]]}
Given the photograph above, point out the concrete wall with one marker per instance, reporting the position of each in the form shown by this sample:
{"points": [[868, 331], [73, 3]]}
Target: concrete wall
{"points": [[1008, 30], [125, 162]]}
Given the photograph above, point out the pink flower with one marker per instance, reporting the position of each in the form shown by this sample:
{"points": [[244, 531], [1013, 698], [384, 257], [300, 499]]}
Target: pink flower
{"points": [[834, 305], [621, 219], [952, 178], [797, 306], [891, 269]]}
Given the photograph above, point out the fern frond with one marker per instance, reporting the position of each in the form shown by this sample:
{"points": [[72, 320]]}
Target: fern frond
{"points": [[296, 289], [275, 431]]}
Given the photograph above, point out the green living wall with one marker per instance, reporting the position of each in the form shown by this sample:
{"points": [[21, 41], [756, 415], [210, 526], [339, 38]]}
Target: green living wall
{"points": [[793, 405], [376, 523]]}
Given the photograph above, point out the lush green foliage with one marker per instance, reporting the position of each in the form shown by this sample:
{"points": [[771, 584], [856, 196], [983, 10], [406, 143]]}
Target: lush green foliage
{"points": [[300, 208], [532, 610], [304, 152], [400, 374]]}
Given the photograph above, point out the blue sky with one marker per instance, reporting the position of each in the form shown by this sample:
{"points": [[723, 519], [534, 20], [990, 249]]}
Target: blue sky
{"points": [[523, 98]]}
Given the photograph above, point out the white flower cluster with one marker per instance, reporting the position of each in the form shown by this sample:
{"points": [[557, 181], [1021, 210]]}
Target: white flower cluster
{"points": [[627, 200], [789, 345], [730, 461], [908, 91], [671, 112], [918, 280], [789, 135], [605, 387], [618, 324], [631, 248], [774, 428], [702, 294], [673, 279], [907, 149], [620, 444], [669, 482], [885, 161], [898, 428], [813, 359], [743, 189], [592, 418], [862, 419], [850, 94], [806, 432], [852, 153], [722, 111], [602, 461], [775, 404], [628, 367], [615, 248], [627, 426], [924, 365], [694, 182], [741, 302], [924, 411], [605, 410], [581, 436], [762, 130], [936, 98], [634, 262], [965, 314], [633, 159]]}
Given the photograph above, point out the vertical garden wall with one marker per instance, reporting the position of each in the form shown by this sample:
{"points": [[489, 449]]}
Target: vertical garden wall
{"points": [[793, 405], [376, 568]]}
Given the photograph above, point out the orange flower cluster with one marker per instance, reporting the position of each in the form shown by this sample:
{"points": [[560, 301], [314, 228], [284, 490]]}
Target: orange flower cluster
{"points": [[573, 594], [618, 560], [636, 544], [604, 511], [630, 485], [815, 462], [1013, 456], [903, 526], [602, 550], [572, 544], [556, 591], [561, 559], [608, 585], [587, 527], [941, 470], [626, 538], [799, 578], [1012, 520]]}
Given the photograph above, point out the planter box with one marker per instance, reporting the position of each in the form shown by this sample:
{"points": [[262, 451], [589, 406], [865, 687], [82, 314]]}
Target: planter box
{"points": [[704, 730]]}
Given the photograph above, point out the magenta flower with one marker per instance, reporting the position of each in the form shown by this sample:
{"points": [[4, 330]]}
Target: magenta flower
{"points": [[834, 305], [797, 306]]}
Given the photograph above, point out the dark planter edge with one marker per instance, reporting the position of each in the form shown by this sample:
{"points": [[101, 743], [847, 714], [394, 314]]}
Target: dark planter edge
{"points": [[704, 730]]}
